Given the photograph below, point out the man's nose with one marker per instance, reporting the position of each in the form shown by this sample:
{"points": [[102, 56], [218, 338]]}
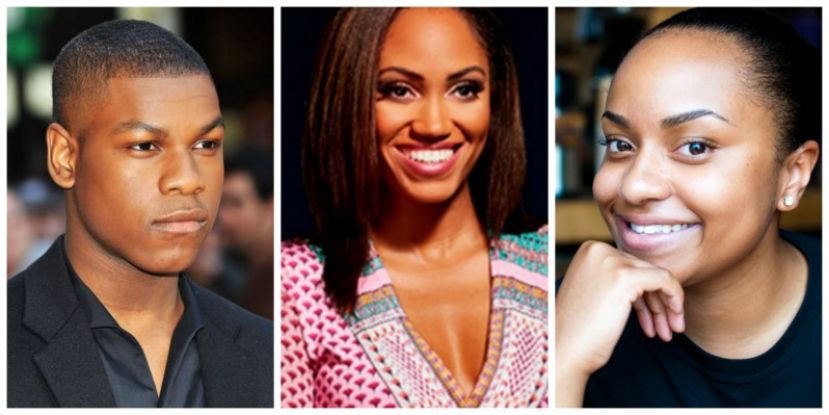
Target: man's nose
{"points": [[181, 173]]}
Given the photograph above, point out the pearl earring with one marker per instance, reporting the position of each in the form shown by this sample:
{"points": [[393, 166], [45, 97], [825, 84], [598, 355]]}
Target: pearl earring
{"points": [[788, 201]]}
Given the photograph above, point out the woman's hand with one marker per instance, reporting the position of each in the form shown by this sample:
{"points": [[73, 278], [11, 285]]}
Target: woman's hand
{"points": [[593, 304]]}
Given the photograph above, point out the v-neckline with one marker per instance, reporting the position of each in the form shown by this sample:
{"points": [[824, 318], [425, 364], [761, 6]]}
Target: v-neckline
{"points": [[494, 337]]}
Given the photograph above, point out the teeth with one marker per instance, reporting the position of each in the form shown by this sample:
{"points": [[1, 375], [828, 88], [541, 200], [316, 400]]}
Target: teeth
{"points": [[430, 156], [651, 229]]}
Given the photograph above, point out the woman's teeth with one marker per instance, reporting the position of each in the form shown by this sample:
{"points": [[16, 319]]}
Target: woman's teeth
{"points": [[651, 229], [430, 156]]}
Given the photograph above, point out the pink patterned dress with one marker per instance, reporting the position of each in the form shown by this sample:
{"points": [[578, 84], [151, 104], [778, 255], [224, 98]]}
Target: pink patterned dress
{"points": [[373, 357]]}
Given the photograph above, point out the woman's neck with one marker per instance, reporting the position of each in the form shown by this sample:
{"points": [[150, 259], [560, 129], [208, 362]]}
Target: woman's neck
{"points": [[430, 231], [743, 312]]}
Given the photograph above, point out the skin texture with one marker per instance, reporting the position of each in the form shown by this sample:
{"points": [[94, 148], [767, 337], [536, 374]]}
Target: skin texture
{"points": [[149, 148], [741, 284], [428, 235]]}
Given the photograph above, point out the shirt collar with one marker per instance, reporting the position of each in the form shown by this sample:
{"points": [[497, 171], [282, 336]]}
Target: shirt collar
{"points": [[191, 320]]}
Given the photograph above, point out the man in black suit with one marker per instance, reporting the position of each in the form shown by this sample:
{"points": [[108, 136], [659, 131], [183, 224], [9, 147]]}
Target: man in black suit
{"points": [[106, 317]]}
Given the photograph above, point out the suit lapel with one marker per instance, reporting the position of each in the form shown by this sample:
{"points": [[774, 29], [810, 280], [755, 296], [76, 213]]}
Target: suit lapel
{"points": [[227, 369], [72, 367], [69, 362]]}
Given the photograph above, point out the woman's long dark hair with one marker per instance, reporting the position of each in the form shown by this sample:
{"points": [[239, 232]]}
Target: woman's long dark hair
{"points": [[340, 157]]}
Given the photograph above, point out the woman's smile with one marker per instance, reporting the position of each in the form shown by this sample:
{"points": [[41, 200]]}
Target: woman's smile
{"points": [[650, 236], [689, 179], [432, 108], [429, 161]]}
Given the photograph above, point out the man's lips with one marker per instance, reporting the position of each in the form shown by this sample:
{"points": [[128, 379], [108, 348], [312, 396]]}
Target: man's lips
{"points": [[181, 221]]}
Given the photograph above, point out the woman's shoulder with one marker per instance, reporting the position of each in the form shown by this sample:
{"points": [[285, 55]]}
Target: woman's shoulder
{"points": [[301, 264], [536, 241], [526, 249], [300, 249]]}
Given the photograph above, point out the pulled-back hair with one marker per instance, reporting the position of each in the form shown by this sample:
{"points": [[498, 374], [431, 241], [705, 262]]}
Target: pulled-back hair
{"points": [[340, 156], [784, 70], [118, 48]]}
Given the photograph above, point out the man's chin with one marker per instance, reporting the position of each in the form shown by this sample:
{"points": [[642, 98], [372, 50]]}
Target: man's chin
{"points": [[170, 267]]}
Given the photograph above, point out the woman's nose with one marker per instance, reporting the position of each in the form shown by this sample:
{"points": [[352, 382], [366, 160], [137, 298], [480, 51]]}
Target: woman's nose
{"points": [[645, 180], [432, 120]]}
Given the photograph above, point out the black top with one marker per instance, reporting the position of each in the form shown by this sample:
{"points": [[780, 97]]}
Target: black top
{"points": [[126, 365], [644, 372], [53, 360]]}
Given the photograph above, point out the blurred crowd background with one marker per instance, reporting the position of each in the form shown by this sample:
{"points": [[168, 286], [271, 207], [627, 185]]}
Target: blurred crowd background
{"points": [[236, 260], [590, 45]]}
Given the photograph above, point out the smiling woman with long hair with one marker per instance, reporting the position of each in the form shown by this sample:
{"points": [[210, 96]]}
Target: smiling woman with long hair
{"points": [[711, 127], [422, 287]]}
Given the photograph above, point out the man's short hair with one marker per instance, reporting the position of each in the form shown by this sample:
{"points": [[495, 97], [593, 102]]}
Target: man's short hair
{"points": [[118, 48]]}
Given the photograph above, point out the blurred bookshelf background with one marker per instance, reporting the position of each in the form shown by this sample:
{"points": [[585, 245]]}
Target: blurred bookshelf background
{"points": [[590, 44]]}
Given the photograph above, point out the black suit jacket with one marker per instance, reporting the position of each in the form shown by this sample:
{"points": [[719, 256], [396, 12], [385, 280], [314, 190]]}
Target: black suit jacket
{"points": [[53, 359]]}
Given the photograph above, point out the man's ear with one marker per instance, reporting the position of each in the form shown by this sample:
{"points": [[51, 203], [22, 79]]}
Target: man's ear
{"points": [[797, 170], [62, 155]]}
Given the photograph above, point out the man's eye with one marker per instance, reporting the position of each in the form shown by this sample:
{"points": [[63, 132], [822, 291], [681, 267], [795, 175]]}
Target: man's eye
{"points": [[207, 145], [146, 146]]}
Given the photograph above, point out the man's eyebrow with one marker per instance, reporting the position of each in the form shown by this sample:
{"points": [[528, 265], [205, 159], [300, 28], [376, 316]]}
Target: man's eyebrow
{"points": [[675, 120], [616, 119], [218, 122], [127, 126], [463, 72], [158, 131], [403, 71]]}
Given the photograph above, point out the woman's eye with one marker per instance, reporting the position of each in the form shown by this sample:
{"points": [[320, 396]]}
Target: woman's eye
{"points": [[695, 148], [468, 91], [615, 145], [396, 91], [146, 146]]}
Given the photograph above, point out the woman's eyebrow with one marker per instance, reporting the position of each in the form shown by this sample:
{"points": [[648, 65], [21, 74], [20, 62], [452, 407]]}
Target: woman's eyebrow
{"points": [[403, 71], [675, 120], [671, 121], [463, 72], [616, 118], [414, 75]]}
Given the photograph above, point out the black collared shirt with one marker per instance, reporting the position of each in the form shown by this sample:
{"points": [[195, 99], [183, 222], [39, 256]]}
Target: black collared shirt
{"points": [[126, 366]]}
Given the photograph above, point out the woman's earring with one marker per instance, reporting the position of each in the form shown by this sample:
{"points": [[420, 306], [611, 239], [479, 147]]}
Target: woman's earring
{"points": [[788, 201]]}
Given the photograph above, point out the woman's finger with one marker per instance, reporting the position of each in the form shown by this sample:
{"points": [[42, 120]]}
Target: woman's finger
{"points": [[675, 319], [643, 314], [642, 280], [660, 317]]}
